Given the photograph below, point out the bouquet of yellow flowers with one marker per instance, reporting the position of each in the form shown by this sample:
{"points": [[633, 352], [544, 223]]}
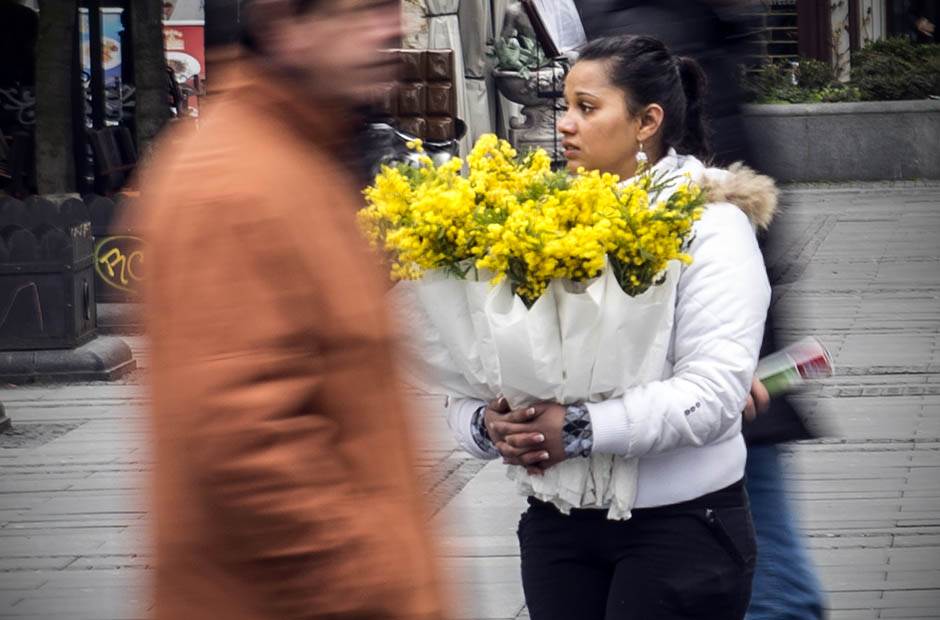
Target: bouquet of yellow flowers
{"points": [[514, 218], [519, 281]]}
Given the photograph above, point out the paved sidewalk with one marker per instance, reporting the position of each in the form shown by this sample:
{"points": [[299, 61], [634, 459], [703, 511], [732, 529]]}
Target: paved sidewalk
{"points": [[861, 271]]}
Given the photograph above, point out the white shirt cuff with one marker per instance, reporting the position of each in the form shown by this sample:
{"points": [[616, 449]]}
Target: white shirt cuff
{"points": [[610, 427], [459, 417]]}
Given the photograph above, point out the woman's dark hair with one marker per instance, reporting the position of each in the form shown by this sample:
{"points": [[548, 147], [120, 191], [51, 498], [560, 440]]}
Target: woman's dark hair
{"points": [[647, 72]]}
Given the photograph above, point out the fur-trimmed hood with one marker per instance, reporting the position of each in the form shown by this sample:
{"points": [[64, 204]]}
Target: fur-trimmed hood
{"points": [[755, 194]]}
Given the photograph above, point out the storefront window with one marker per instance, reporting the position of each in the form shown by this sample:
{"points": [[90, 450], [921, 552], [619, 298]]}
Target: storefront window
{"points": [[184, 41], [782, 37], [112, 29], [777, 36]]}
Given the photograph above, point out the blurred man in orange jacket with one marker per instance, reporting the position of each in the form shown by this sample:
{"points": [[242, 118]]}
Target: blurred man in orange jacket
{"points": [[284, 486]]}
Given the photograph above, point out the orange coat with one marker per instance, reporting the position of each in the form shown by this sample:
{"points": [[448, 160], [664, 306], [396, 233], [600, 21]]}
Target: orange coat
{"points": [[285, 485]]}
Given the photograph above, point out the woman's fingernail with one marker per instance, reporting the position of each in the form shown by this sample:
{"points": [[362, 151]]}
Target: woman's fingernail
{"points": [[544, 456], [540, 438], [530, 411]]}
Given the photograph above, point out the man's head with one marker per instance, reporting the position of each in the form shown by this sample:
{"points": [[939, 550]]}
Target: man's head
{"points": [[331, 48]]}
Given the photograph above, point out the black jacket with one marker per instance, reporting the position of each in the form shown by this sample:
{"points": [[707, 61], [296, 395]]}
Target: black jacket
{"points": [[781, 422]]}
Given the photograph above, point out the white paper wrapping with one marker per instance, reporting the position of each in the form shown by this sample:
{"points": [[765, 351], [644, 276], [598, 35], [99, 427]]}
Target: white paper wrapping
{"points": [[579, 342]]}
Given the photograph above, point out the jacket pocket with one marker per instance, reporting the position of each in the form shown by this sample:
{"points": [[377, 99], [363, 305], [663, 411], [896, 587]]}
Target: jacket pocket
{"points": [[734, 530]]}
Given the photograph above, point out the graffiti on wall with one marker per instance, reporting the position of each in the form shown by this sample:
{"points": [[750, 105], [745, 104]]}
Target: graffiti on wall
{"points": [[119, 262]]}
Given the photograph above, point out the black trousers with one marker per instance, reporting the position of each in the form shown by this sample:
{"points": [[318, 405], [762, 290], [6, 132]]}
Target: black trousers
{"points": [[689, 560]]}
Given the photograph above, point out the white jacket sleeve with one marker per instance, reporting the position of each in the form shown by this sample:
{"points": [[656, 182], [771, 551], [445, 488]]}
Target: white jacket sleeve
{"points": [[460, 418], [721, 305]]}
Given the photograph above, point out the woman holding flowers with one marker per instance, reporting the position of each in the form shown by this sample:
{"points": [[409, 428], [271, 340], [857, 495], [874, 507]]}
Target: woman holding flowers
{"points": [[599, 334], [685, 549]]}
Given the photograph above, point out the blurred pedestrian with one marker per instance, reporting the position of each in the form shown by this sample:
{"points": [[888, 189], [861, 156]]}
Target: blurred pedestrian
{"points": [[786, 586], [285, 484], [923, 16]]}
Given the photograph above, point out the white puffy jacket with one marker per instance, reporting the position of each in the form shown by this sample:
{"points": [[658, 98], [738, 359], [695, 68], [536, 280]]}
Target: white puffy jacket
{"points": [[686, 428]]}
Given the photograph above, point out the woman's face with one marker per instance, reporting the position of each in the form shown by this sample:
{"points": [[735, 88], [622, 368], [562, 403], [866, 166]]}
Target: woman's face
{"points": [[599, 131]]}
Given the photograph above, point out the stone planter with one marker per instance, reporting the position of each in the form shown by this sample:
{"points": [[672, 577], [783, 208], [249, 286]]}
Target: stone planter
{"points": [[537, 128], [868, 141], [47, 282], [47, 290]]}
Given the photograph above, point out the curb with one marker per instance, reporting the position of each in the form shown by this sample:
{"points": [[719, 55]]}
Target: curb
{"points": [[102, 359]]}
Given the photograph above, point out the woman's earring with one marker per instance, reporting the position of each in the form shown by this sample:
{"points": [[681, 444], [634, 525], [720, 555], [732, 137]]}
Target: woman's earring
{"points": [[641, 157]]}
